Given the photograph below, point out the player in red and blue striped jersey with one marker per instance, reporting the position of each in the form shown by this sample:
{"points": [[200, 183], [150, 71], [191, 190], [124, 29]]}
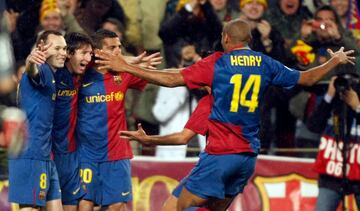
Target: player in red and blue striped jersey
{"points": [[68, 80], [197, 124], [33, 179], [104, 157], [238, 78]]}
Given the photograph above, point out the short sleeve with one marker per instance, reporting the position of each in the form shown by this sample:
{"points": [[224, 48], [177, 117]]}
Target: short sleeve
{"points": [[201, 73], [282, 75], [136, 82]]}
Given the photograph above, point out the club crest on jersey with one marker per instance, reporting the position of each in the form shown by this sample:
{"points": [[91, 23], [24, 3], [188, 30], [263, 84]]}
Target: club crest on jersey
{"points": [[42, 195], [117, 79]]}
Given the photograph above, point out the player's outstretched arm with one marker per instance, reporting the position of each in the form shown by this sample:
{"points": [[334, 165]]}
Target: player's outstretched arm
{"points": [[167, 77], [37, 57], [313, 75], [179, 138]]}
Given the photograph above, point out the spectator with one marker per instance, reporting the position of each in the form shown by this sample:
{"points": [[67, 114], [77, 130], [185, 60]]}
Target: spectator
{"points": [[91, 13], [328, 33], [277, 123], [53, 15], [173, 107], [286, 17], [349, 15], [224, 10], [324, 32], [327, 119], [195, 22]]}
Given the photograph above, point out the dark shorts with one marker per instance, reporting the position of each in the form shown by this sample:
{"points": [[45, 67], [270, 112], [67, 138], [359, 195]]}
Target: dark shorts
{"points": [[33, 182], [68, 168], [107, 183], [218, 176]]}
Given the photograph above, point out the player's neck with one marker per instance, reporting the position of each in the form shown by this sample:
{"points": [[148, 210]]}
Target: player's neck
{"points": [[237, 46], [69, 67], [52, 68]]}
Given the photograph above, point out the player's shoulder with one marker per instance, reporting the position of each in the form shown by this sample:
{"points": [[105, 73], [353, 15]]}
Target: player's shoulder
{"points": [[91, 74]]}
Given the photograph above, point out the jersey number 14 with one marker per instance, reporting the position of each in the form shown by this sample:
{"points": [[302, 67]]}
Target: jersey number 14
{"points": [[252, 85]]}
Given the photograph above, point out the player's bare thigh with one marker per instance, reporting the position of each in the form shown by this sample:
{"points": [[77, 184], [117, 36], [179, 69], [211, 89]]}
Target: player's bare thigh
{"points": [[70, 208], [86, 205], [118, 207], [54, 205], [170, 204], [28, 208], [187, 199]]}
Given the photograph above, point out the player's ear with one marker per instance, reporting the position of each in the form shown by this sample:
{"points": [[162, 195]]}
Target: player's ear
{"points": [[226, 38]]}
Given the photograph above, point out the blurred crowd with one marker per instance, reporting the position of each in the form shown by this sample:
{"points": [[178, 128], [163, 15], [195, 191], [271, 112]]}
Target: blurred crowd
{"points": [[295, 32]]}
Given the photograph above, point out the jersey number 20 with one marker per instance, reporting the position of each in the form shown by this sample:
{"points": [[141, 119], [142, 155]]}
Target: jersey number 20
{"points": [[240, 93]]}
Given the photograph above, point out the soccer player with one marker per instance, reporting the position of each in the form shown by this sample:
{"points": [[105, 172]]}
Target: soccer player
{"points": [[238, 77], [197, 124], [33, 179], [68, 80], [104, 156]]}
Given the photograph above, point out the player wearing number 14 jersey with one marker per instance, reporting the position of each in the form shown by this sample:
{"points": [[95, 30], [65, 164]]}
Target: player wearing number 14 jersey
{"points": [[238, 79]]}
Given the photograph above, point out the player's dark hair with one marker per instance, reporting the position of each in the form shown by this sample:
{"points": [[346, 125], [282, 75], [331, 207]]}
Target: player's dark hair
{"points": [[76, 40], [44, 36], [100, 35]]}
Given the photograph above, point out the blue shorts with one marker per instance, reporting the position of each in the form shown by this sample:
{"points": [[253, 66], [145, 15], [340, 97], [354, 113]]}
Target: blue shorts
{"points": [[33, 182], [107, 183], [219, 176], [68, 168]]}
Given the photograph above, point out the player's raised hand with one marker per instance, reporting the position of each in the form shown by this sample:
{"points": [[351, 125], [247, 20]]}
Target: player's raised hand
{"points": [[39, 54], [108, 61], [139, 135], [343, 56]]}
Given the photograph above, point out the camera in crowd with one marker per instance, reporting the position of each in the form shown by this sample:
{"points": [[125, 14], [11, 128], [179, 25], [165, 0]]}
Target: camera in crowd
{"points": [[346, 81], [318, 25]]}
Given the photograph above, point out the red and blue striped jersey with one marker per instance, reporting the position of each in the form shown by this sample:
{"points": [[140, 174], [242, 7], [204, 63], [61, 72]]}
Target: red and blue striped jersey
{"points": [[101, 115], [238, 81], [37, 99], [63, 134]]}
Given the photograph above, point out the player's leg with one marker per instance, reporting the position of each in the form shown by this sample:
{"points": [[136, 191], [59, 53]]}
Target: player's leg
{"points": [[28, 183], [203, 183], [117, 207], [236, 174], [188, 199], [86, 205], [219, 204], [54, 205], [171, 201], [24, 207], [72, 190], [170, 204], [89, 173], [70, 207], [53, 197], [116, 184]]}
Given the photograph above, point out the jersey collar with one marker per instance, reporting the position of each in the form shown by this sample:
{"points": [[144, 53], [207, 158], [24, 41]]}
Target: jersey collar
{"points": [[239, 47]]}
